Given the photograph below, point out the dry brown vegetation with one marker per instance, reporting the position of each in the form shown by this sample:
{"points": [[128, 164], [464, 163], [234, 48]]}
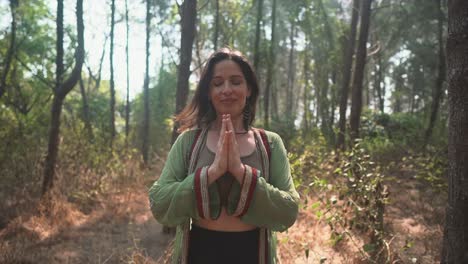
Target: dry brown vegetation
{"points": [[113, 223]]}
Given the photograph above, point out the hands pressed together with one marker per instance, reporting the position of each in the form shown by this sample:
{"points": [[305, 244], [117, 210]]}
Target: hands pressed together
{"points": [[227, 158]]}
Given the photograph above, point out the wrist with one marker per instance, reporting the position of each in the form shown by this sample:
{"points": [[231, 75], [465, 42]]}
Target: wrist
{"points": [[240, 173], [211, 175]]}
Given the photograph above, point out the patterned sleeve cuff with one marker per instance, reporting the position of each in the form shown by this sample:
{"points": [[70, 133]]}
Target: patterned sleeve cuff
{"points": [[201, 192], [247, 189]]}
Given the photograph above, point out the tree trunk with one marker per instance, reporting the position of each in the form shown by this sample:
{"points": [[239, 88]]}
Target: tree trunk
{"points": [[146, 112], [61, 90], [101, 60], [455, 245], [291, 77], [305, 97], [86, 116], [127, 101], [356, 105], [378, 82], [257, 35], [188, 25], [438, 89], [11, 49], [347, 67], [270, 73], [112, 84], [216, 30]]}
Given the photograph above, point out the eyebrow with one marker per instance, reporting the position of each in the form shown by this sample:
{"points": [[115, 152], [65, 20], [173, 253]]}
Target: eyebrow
{"points": [[232, 76]]}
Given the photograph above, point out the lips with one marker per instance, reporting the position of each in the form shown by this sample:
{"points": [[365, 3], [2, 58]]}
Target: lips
{"points": [[228, 100]]}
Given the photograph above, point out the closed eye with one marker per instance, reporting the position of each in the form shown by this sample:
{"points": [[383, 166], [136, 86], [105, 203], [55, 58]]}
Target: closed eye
{"points": [[237, 80]]}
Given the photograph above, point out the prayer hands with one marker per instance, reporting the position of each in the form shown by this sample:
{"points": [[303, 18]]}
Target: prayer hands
{"points": [[227, 158]]}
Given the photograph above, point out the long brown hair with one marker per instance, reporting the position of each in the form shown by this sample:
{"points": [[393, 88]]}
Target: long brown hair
{"points": [[200, 112]]}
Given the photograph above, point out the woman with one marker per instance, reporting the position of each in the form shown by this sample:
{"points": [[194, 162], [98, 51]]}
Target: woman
{"points": [[225, 185]]}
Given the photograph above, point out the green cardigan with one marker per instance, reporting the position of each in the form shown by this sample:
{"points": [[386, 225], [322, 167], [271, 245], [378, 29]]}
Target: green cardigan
{"points": [[268, 201]]}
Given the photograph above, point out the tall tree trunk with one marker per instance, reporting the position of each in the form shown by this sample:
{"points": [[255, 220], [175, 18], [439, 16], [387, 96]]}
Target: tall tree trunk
{"points": [[127, 101], [257, 35], [438, 89], [328, 116], [11, 49], [216, 30], [86, 116], [291, 77], [347, 69], [146, 112], [112, 84], [188, 24], [455, 245], [270, 73], [101, 61], [356, 105], [61, 90], [378, 81], [305, 97]]}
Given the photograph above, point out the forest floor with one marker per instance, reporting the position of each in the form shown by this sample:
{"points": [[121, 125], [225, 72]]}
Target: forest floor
{"points": [[119, 228]]}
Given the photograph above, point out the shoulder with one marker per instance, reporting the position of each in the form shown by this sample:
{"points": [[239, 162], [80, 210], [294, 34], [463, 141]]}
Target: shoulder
{"points": [[185, 139], [274, 139], [188, 135]]}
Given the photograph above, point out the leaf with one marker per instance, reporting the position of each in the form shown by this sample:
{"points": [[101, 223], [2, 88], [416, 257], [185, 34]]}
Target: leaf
{"points": [[369, 247], [315, 205]]}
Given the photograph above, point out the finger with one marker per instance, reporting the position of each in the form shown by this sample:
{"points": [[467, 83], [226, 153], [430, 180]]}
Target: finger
{"points": [[223, 125], [229, 123]]}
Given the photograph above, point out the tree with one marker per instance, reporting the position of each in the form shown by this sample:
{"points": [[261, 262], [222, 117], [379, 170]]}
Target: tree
{"points": [[112, 84], [216, 29], [127, 101], [146, 111], [257, 36], [270, 72], [61, 90], [356, 105], [11, 49], [347, 67], [188, 25], [455, 245], [86, 115], [438, 89]]}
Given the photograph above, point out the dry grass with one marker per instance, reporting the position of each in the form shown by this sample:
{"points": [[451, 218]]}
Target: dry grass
{"points": [[110, 222]]}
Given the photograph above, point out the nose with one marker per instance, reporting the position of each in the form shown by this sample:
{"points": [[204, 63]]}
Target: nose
{"points": [[227, 89]]}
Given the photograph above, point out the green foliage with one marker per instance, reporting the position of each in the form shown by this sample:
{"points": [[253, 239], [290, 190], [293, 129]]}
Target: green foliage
{"points": [[429, 166], [351, 198], [386, 135], [162, 107]]}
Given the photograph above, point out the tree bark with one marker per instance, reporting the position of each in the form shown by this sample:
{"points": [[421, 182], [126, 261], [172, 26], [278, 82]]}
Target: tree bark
{"points": [[305, 97], [455, 245], [188, 21], [438, 89], [270, 73], [146, 111], [11, 49], [112, 84], [356, 105], [257, 35], [61, 90], [378, 82], [216, 30], [291, 78], [127, 101], [347, 69], [86, 116]]}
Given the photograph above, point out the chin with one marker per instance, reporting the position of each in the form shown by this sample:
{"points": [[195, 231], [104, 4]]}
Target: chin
{"points": [[233, 114]]}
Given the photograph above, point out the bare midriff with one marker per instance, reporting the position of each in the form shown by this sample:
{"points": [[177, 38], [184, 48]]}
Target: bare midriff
{"points": [[225, 222]]}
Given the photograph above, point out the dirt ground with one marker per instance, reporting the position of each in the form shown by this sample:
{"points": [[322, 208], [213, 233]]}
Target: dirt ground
{"points": [[119, 228]]}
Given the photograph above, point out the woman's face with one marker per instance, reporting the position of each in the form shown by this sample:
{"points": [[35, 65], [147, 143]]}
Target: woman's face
{"points": [[228, 89]]}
